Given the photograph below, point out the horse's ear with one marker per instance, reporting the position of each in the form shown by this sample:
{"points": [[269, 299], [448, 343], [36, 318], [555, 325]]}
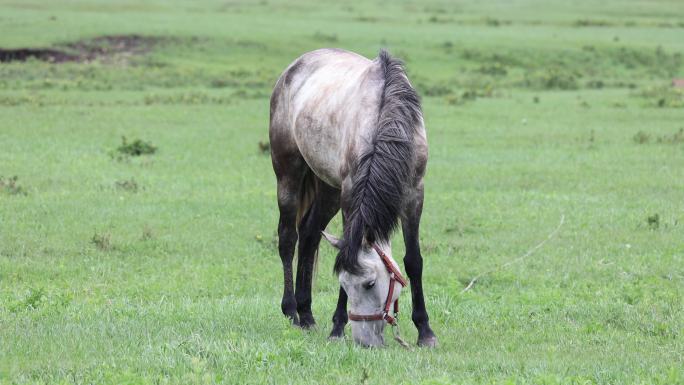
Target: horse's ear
{"points": [[334, 241]]}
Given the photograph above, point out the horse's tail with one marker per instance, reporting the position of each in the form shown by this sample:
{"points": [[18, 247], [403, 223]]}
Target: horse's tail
{"points": [[307, 194], [385, 166]]}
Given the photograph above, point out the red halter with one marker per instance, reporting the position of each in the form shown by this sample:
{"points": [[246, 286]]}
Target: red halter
{"points": [[395, 276]]}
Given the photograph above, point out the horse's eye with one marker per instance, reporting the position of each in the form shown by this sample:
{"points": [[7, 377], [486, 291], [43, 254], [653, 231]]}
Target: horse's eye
{"points": [[369, 285]]}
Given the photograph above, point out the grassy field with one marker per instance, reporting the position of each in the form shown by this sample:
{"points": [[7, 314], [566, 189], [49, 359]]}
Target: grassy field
{"points": [[162, 268]]}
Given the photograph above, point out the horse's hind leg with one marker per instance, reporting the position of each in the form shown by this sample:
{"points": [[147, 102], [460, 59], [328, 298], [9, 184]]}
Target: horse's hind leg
{"points": [[290, 171], [325, 205]]}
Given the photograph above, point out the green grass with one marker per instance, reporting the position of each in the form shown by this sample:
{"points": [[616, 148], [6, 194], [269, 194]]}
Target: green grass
{"points": [[534, 110]]}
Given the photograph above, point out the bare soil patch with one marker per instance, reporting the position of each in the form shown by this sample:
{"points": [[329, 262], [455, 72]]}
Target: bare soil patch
{"points": [[106, 48], [23, 54]]}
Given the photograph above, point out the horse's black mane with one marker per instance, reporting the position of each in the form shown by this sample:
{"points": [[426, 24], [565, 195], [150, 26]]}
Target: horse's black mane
{"points": [[384, 168]]}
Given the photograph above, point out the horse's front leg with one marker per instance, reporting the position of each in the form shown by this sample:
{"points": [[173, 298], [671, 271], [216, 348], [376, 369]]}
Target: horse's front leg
{"points": [[413, 262], [340, 317]]}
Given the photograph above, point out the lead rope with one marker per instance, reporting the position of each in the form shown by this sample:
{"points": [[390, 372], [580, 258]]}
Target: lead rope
{"points": [[395, 327], [397, 337]]}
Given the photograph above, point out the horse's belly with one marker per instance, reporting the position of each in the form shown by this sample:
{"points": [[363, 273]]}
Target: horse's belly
{"points": [[320, 146]]}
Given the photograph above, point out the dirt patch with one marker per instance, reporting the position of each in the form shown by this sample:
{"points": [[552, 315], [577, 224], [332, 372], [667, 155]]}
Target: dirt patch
{"points": [[23, 54], [106, 48]]}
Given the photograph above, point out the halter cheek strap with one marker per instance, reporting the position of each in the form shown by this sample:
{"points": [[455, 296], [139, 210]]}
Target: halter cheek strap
{"points": [[395, 276]]}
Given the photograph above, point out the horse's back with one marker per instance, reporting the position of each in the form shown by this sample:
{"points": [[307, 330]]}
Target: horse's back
{"points": [[321, 106]]}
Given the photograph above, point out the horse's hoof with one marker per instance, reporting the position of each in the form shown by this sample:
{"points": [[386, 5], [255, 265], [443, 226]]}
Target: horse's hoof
{"points": [[307, 323], [337, 334], [294, 320], [307, 326], [430, 341]]}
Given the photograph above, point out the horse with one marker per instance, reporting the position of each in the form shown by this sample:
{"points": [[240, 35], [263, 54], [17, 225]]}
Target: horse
{"points": [[347, 132]]}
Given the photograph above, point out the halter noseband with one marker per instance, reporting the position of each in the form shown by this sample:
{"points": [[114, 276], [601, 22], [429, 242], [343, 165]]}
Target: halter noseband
{"points": [[395, 276]]}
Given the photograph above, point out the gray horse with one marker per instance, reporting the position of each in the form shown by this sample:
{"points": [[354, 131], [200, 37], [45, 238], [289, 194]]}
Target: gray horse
{"points": [[347, 132]]}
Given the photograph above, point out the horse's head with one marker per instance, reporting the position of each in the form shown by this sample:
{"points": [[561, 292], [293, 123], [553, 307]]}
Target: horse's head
{"points": [[372, 292]]}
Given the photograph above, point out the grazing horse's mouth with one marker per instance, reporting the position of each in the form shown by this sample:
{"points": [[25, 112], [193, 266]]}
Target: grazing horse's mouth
{"points": [[368, 334], [395, 276]]}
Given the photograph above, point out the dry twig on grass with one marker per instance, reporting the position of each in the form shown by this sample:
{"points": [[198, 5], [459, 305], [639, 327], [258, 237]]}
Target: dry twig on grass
{"points": [[520, 258]]}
